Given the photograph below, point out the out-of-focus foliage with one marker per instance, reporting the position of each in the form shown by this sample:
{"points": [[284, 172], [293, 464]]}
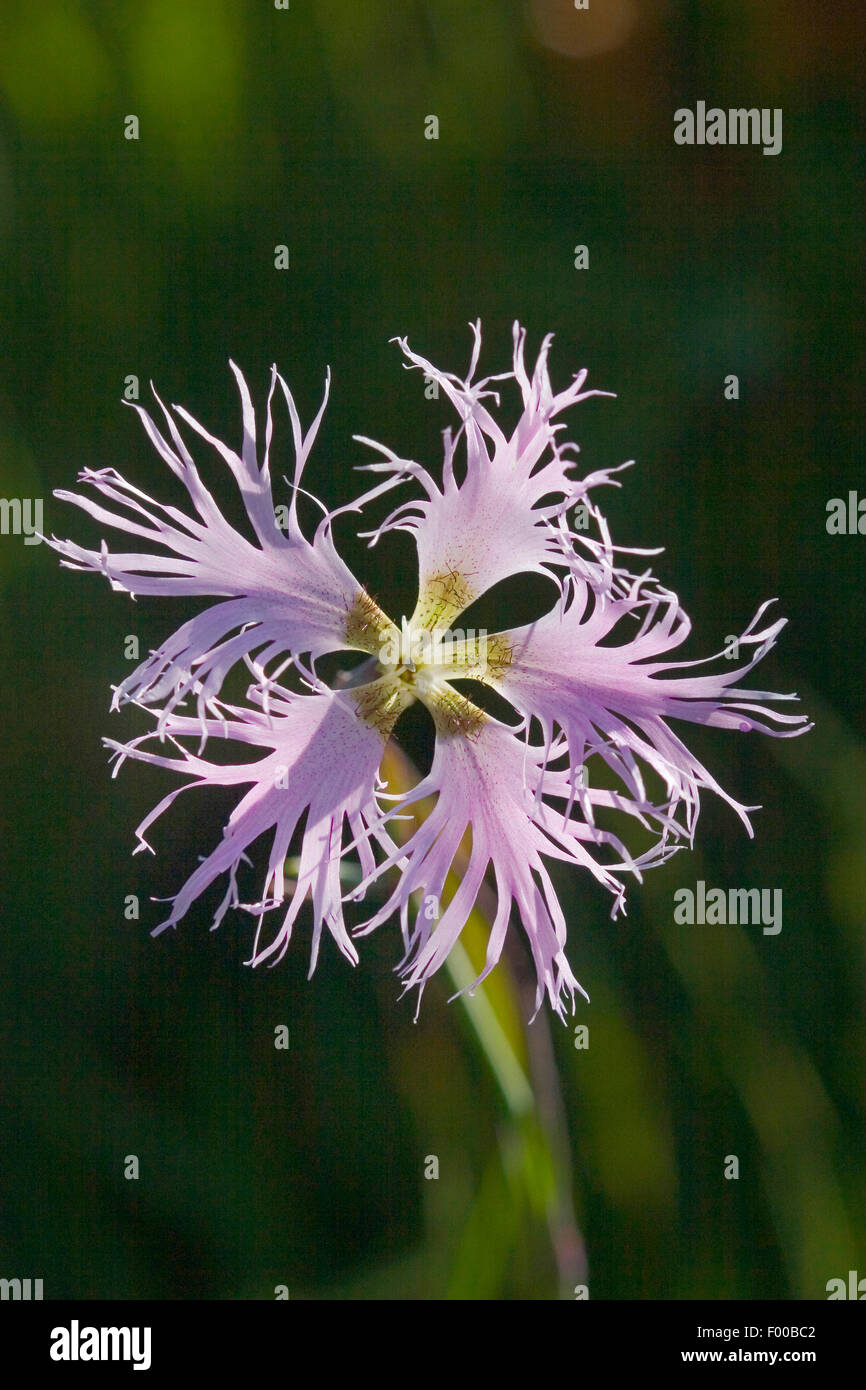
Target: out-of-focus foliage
{"points": [[306, 127]]}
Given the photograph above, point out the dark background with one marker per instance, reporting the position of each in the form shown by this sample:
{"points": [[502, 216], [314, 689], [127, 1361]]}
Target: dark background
{"points": [[306, 127]]}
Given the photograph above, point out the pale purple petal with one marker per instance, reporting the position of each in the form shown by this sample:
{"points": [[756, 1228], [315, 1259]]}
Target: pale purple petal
{"points": [[321, 760], [616, 700], [489, 784], [508, 513], [282, 594]]}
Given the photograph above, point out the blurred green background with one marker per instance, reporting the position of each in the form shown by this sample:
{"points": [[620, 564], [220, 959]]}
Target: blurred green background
{"points": [[261, 126]]}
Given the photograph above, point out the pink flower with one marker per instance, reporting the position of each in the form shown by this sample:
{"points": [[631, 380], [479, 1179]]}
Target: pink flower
{"points": [[283, 600]]}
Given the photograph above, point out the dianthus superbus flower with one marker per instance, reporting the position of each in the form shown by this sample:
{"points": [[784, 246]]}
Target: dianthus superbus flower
{"points": [[590, 683]]}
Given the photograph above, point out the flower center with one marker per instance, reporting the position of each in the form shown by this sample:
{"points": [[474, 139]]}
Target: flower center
{"points": [[415, 662], [418, 660], [418, 655]]}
